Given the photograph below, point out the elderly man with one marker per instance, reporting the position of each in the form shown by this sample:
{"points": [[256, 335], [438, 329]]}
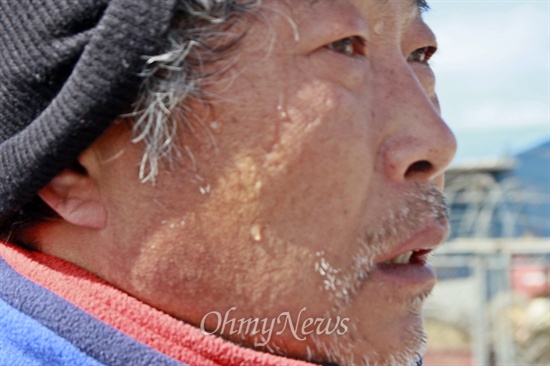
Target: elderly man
{"points": [[218, 182]]}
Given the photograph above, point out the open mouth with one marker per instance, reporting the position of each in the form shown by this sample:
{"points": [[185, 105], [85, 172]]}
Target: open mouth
{"points": [[419, 256], [416, 250], [406, 269]]}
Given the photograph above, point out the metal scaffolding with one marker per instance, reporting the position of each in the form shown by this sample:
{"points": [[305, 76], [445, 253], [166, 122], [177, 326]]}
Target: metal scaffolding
{"points": [[487, 200]]}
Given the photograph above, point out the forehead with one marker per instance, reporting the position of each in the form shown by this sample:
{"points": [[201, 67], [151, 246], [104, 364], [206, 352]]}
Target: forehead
{"points": [[420, 5], [402, 12], [307, 18]]}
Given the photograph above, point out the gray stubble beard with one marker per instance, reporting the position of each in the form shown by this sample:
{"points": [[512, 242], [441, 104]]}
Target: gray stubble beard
{"points": [[423, 203]]}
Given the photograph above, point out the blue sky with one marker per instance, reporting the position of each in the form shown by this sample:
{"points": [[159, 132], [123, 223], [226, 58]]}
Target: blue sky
{"points": [[492, 73]]}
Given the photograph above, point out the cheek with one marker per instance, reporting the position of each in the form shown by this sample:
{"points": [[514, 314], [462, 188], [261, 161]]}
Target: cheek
{"points": [[318, 173], [331, 128]]}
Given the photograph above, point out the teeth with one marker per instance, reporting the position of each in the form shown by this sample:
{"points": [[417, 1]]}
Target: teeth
{"points": [[402, 258]]}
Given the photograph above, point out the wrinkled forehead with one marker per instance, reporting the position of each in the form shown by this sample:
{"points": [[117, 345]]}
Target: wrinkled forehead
{"points": [[401, 12]]}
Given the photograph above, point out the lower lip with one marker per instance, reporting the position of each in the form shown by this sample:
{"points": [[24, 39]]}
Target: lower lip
{"points": [[414, 276]]}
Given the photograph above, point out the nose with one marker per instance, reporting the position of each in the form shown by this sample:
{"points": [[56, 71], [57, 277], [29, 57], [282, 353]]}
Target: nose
{"points": [[418, 145]]}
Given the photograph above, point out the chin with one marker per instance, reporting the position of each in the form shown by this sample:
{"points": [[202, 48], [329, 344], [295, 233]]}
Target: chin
{"points": [[400, 341], [398, 345], [402, 346]]}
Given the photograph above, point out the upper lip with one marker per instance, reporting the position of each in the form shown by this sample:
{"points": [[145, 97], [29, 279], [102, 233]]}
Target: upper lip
{"points": [[427, 239]]}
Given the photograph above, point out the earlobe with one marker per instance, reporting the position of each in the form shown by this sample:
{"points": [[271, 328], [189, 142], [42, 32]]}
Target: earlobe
{"points": [[75, 196]]}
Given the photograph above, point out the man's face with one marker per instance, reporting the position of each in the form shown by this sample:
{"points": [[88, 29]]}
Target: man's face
{"points": [[324, 160]]}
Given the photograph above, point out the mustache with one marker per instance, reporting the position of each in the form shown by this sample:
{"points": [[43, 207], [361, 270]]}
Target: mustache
{"points": [[421, 204]]}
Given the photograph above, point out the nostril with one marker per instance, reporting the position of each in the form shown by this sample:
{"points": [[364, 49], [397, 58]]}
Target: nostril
{"points": [[422, 166]]}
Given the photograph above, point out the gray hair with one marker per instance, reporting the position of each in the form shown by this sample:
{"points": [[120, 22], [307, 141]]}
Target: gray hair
{"points": [[199, 36]]}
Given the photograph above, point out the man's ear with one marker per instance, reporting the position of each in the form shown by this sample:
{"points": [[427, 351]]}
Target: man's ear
{"points": [[75, 196]]}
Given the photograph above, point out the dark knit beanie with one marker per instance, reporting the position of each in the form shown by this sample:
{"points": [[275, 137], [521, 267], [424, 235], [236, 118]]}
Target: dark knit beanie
{"points": [[68, 68]]}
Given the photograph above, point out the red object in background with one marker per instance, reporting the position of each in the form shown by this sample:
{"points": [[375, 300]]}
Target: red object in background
{"points": [[530, 278]]}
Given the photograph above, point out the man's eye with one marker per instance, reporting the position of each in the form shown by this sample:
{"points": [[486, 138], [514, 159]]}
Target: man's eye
{"points": [[349, 46], [422, 55]]}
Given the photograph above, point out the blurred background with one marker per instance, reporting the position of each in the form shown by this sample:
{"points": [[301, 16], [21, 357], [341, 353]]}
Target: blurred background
{"points": [[492, 303]]}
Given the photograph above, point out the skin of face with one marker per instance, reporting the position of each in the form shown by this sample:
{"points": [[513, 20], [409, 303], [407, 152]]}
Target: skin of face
{"points": [[320, 163]]}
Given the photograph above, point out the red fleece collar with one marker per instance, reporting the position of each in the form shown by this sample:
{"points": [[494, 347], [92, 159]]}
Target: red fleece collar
{"points": [[152, 327]]}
